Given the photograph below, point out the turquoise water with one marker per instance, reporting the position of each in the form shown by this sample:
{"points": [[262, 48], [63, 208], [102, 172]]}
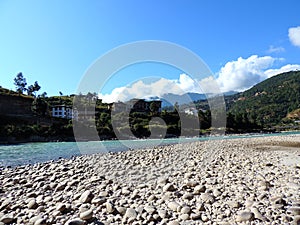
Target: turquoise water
{"points": [[29, 153]]}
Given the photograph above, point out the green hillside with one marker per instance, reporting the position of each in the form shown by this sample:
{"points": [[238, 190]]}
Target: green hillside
{"points": [[270, 101]]}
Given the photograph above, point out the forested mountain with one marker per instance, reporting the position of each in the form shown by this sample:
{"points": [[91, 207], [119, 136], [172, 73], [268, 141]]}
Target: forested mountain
{"points": [[269, 102]]}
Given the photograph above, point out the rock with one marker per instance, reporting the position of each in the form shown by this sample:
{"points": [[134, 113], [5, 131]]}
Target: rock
{"points": [[188, 196], [216, 193], [244, 216], [207, 198], [7, 219], [257, 214], [86, 215], [174, 206], [191, 183], [149, 209], [162, 181], [34, 219], [61, 207], [184, 217], [185, 210], [151, 198], [163, 214], [199, 189], [32, 204], [31, 195], [98, 201], [294, 210], [76, 221], [195, 216], [121, 210], [204, 218], [169, 187], [86, 197], [263, 185], [233, 204], [296, 220], [109, 207], [173, 222], [200, 207], [40, 209], [40, 221], [130, 213], [278, 200]]}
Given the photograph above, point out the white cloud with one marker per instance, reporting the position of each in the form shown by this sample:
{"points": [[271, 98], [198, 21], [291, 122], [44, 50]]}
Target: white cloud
{"points": [[294, 35], [141, 89], [286, 68], [236, 75], [243, 73], [209, 85], [113, 96], [273, 49]]}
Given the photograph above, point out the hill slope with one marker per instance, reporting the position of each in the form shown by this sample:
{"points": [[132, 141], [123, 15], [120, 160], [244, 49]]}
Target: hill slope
{"points": [[268, 102]]}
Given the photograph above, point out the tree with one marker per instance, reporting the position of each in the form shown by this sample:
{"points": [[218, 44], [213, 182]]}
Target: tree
{"points": [[176, 107], [43, 95], [33, 88], [154, 107], [20, 83]]}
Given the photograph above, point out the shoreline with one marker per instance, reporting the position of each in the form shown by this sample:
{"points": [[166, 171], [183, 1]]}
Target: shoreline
{"points": [[245, 181], [109, 145], [41, 139]]}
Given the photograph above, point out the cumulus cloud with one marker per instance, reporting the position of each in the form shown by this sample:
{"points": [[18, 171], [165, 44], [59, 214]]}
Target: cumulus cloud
{"points": [[209, 85], [294, 35], [143, 89], [237, 75], [290, 67], [243, 73]]}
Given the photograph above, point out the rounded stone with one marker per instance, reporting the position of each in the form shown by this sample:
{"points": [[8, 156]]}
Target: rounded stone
{"points": [[130, 213], [86, 215], [185, 210], [244, 216], [75, 221]]}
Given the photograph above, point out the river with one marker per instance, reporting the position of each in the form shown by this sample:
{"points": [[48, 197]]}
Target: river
{"points": [[30, 153]]}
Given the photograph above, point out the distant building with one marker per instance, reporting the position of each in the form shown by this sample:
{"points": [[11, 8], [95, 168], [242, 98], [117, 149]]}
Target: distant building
{"points": [[118, 107], [86, 114], [137, 105], [63, 111], [191, 111]]}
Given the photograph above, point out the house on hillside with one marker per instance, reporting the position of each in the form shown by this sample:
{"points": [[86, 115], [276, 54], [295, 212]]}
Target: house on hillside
{"points": [[137, 105], [63, 111], [191, 111], [118, 107], [86, 114]]}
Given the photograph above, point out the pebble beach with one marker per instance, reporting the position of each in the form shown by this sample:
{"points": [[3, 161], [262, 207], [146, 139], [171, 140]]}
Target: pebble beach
{"points": [[237, 181]]}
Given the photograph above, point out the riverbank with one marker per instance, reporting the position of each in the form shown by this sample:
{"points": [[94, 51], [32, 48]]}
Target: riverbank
{"points": [[251, 180], [11, 140]]}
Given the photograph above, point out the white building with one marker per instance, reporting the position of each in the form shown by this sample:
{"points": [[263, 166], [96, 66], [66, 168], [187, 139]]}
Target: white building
{"points": [[191, 111], [62, 111]]}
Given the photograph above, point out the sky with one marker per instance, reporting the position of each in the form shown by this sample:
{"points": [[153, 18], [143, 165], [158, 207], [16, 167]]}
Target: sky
{"points": [[56, 42]]}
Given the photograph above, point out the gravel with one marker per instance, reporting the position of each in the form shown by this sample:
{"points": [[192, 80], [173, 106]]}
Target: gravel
{"points": [[245, 181]]}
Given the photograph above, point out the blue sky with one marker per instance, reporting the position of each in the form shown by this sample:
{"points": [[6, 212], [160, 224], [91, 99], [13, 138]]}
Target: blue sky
{"points": [[55, 42]]}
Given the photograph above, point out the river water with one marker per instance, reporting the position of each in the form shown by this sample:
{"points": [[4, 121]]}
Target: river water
{"points": [[30, 153]]}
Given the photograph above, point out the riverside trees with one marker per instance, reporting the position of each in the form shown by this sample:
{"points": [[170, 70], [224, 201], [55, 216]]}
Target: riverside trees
{"points": [[21, 85]]}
